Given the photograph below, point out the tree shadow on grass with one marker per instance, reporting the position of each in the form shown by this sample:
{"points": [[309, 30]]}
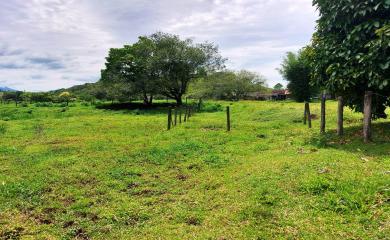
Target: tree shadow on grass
{"points": [[138, 108], [352, 141], [159, 107]]}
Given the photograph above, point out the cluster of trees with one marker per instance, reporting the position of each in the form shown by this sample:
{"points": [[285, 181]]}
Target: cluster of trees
{"points": [[228, 85], [349, 54], [37, 97], [160, 64]]}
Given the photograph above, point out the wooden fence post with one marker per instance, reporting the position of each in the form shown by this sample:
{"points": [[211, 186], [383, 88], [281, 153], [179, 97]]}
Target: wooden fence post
{"points": [[175, 116], [185, 114], [308, 114], [169, 119], [228, 118], [367, 116], [340, 116], [323, 112], [304, 114], [180, 115]]}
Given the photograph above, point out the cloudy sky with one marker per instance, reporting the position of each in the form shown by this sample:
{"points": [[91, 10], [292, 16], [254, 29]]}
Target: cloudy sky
{"points": [[50, 44]]}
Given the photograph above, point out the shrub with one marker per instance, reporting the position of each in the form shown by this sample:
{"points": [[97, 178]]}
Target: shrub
{"points": [[24, 104], [86, 104], [211, 107], [44, 104]]}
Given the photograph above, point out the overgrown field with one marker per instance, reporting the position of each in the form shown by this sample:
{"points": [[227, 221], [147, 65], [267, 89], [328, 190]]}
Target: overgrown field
{"points": [[92, 173]]}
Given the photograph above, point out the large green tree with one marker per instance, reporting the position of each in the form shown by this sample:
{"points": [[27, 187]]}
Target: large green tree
{"points": [[131, 70], [160, 64], [179, 62], [296, 69], [351, 50]]}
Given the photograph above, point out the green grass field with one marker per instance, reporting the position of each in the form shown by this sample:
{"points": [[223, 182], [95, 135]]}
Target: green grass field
{"points": [[90, 173]]}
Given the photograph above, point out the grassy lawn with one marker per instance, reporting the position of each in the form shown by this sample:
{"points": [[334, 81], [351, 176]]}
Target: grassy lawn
{"points": [[90, 173]]}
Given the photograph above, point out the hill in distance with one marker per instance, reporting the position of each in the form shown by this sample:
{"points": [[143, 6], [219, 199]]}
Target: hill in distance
{"points": [[7, 89]]}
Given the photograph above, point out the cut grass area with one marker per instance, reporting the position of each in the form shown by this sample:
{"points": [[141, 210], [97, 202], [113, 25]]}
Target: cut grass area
{"points": [[116, 173]]}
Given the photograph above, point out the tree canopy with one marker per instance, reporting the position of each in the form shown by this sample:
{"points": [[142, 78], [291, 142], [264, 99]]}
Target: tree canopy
{"points": [[351, 50], [161, 64], [296, 69]]}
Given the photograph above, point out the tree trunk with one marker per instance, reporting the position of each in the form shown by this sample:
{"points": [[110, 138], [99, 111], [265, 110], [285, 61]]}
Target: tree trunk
{"points": [[169, 118], [148, 100], [340, 116], [323, 111], [367, 116], [179, 101], [308, 114]]}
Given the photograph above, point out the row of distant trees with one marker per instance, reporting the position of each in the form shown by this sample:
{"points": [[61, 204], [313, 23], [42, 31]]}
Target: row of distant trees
{"points": [[349, 55], [159, 66], [38, 97], [228, 85]]}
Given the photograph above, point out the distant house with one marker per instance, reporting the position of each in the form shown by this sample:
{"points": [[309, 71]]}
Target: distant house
{"points": [[276, 95], [280, 94]]}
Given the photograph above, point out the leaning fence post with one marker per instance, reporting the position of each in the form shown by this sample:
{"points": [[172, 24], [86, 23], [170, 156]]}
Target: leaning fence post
{"points": [[340, 116], [367, 116], [323, 110], [169, 118], [228, 118]]}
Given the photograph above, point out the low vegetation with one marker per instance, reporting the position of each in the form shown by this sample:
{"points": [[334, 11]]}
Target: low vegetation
{"points": [[116, 173]]}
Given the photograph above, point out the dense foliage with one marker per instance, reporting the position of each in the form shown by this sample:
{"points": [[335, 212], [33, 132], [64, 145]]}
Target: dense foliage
{"points": [[296, 69], [228, 85], [351, 50]]}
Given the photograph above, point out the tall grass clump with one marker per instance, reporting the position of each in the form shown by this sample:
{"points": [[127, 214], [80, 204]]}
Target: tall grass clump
{"points": [[3, 128]]}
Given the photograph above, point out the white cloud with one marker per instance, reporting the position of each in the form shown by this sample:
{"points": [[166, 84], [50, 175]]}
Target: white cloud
{"points": [[74, 36]]}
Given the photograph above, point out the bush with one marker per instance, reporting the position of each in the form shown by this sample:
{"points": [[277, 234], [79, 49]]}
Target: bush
{"points": [[211, 107], [86, 104], [44, 104], [24, 104]]}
